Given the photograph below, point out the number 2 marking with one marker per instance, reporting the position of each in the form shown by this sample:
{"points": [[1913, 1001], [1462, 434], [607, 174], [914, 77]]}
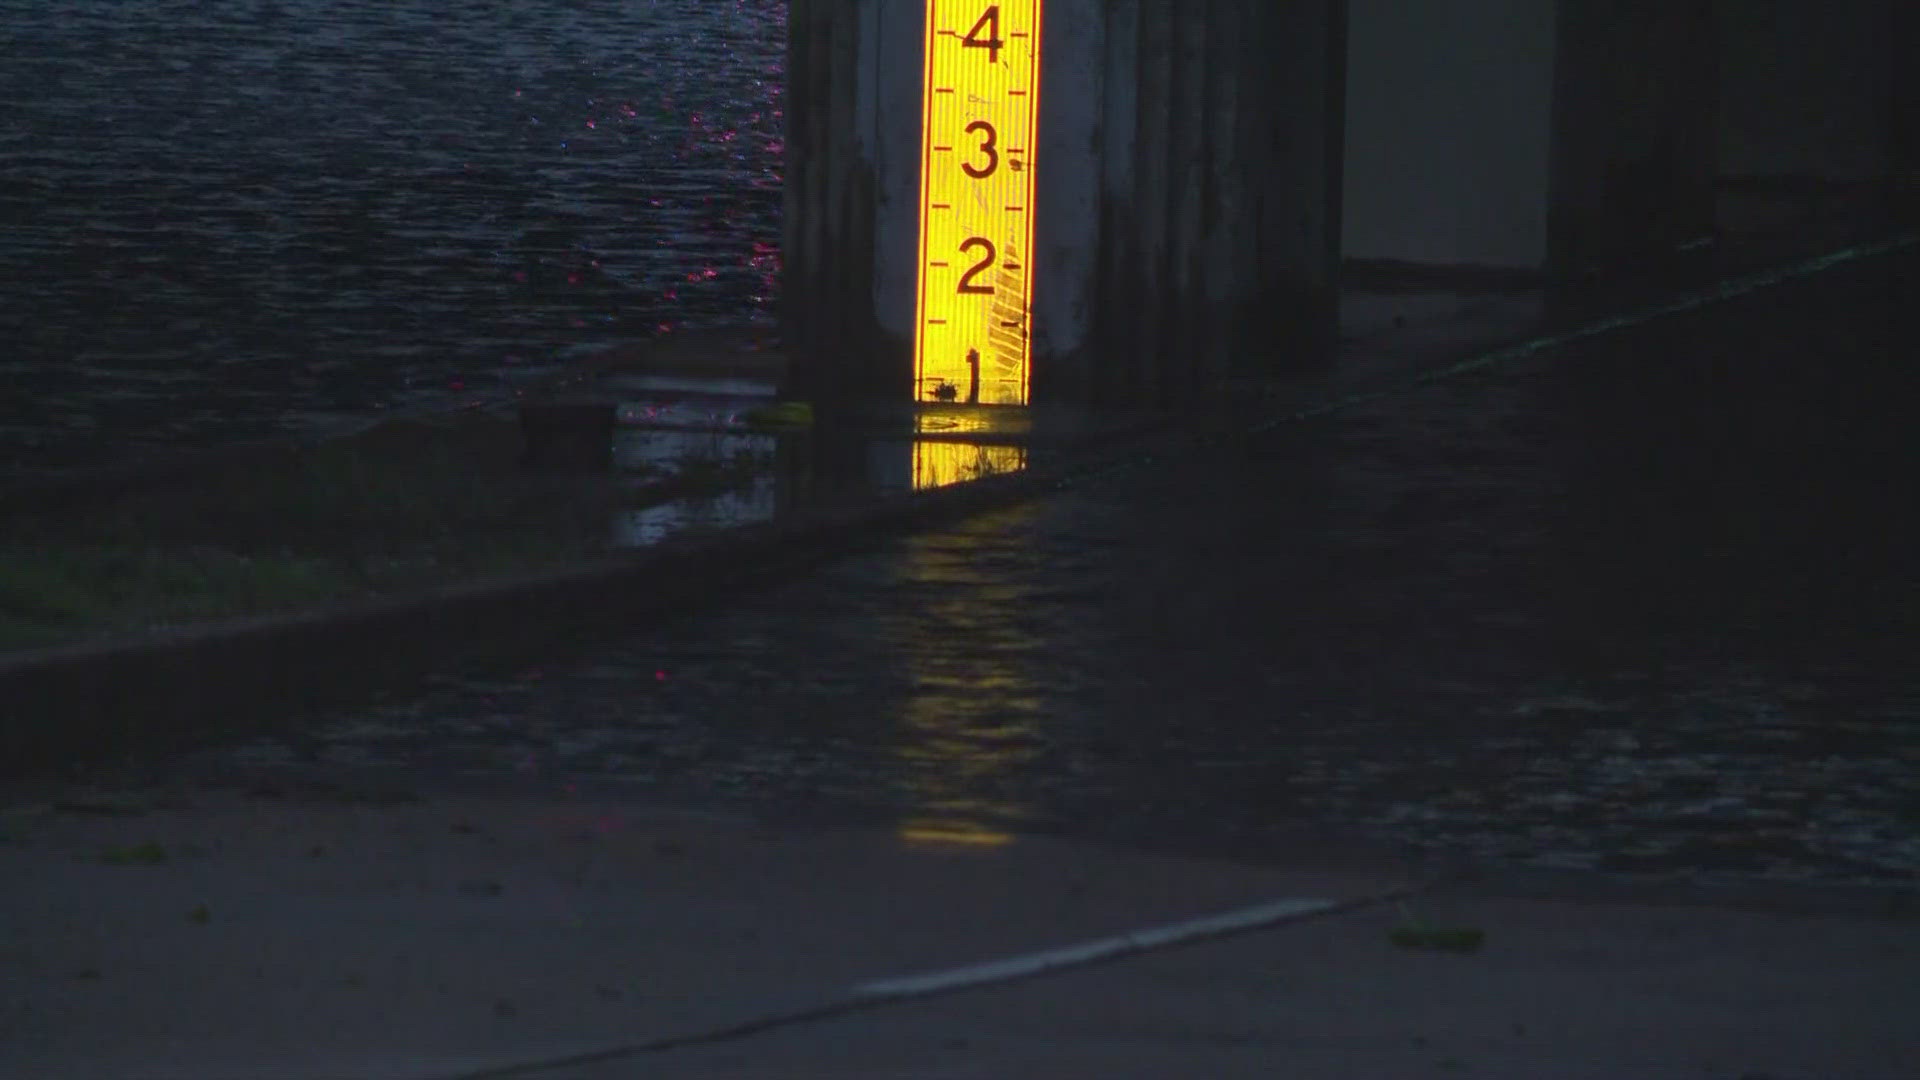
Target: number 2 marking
{"points": [[966, 279]]}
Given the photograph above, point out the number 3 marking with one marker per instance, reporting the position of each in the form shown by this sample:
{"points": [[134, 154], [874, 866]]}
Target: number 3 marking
{"points": [[988, 135]]}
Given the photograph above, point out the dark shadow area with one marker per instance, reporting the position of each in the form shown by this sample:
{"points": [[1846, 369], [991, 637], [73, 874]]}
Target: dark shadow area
{"points": [[1644, 606], [1740, 478]]}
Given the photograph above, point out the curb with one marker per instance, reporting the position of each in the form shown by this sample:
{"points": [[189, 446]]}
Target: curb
{"points": [[69, 705]]}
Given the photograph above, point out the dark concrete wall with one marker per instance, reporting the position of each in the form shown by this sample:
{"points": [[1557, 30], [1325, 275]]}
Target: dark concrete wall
{"points": [[1633, 168], [1218, 230], [1448, 131], [1817, 109], [1486, 132], [1903, 112], [1804, 86], [830, 203], [1295, 311]]}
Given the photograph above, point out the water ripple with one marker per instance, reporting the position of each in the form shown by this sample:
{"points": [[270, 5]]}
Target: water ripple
{"points": [[282, 208]]}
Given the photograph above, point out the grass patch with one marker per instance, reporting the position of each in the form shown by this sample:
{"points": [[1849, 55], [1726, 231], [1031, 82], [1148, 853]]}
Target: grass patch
{"points": [[405, 507], [46, 592], [1415, 932], [1438, 938], [147, 854]]}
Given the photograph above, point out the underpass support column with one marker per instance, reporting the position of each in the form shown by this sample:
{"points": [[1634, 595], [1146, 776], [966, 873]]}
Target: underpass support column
{"points": [[1187, 171], [1903, 113], [1635, 122]]}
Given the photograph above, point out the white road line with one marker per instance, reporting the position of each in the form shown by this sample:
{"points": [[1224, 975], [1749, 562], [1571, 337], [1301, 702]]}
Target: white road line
{"points": [[1155, 937], [880, 994]]}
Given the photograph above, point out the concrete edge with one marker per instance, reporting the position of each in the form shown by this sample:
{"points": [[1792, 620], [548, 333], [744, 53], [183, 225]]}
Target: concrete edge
{"points": [[70, 705]]}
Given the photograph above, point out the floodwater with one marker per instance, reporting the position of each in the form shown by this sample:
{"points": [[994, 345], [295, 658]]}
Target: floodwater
{"points": [[670, 425], [1642, 603], [239, 219]]}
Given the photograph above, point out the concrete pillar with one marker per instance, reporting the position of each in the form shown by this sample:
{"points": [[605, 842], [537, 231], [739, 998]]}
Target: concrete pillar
{"points": [[1449, 133], [1501, 140], [1634, 142], [1903, 112], [1188, 166], [1300, 51], [1810, 113], [830, 202]]}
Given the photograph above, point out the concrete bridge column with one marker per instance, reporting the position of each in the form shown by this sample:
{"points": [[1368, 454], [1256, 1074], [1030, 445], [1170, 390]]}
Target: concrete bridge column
{"points": [[1449, 136], [1903, 113], [831, 200], [1187, 169], [1506, 140], [1635, 121], [1813, 121]]}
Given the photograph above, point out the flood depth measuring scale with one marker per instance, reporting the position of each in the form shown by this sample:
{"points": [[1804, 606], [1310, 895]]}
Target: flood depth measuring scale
{"points": [[980, 98]]}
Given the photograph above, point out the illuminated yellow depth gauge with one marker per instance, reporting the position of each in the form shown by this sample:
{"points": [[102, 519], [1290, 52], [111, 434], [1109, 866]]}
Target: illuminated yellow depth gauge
{"points": [[980, 98]]}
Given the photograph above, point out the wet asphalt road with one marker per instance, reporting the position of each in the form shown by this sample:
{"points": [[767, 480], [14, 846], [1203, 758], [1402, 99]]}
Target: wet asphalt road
{"points": [[1645, 603]]}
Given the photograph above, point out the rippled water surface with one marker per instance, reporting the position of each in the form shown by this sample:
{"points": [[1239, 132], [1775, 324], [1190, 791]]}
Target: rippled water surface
{"points": [[1647, 604], [228, 219]]}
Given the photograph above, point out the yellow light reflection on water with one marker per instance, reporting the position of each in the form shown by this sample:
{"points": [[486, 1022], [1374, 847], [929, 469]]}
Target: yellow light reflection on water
{"points": [[979, 107], [937, 464], [955, 833], [975, 720]]}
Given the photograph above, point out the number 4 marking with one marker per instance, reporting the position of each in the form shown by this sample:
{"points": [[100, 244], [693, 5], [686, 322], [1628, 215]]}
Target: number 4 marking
{"points": [[990, 22]]}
